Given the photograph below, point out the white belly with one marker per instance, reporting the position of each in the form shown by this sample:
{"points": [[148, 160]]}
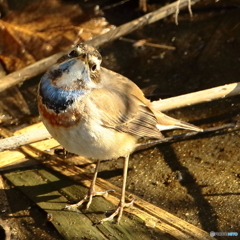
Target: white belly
{"points": [[99, 143]]}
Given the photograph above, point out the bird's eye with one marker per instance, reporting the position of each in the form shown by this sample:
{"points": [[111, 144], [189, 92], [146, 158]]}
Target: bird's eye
{"points": [[73, 53], [94, 67]]}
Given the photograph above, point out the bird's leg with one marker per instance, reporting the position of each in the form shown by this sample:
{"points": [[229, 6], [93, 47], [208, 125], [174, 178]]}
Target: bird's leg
{"points": [[119, 211], [91, 192]]}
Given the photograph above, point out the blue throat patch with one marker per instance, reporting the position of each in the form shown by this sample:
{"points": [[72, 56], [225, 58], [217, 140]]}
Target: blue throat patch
{"points": [[55, 98]]}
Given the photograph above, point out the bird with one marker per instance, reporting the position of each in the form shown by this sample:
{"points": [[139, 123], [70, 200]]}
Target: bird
{"points": [[98, 114]]}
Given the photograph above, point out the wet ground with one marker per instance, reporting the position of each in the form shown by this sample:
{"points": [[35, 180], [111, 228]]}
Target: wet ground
{"points": [[197, 180]]}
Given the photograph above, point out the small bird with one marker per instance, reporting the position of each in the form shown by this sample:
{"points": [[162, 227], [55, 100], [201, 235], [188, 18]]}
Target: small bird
{"points": [[98, 114]]}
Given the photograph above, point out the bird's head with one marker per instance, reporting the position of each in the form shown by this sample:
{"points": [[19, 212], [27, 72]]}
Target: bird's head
{"points": [[70, 78]]}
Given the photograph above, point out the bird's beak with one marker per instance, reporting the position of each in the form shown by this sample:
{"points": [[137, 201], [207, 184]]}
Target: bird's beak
{"points": [[83, 58]]}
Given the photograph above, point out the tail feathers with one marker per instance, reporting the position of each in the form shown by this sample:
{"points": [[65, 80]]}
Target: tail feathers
{"points": [[166, 123]]}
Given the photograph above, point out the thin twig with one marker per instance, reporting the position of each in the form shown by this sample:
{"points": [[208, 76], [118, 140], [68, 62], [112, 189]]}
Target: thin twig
{"points": [[177, 10], [160, 46], [144, 42], [114, 5], [42, 65], [190, 8], [143, 5], [181, 137]]}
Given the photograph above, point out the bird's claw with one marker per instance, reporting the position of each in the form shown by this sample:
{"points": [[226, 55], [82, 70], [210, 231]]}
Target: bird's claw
{"points": [[88, 198], [118, 212]]}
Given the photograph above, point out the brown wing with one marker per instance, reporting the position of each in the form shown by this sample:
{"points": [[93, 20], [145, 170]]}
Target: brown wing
{"points": [[124, 112], [115, 82]]}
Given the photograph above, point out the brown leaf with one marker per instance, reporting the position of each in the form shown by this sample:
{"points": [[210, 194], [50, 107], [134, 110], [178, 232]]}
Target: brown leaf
{"points": [[44, 28], [12, 106]]}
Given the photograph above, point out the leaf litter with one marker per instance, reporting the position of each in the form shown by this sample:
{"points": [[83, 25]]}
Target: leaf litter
{"points": [[44, 28], [37, 31]]}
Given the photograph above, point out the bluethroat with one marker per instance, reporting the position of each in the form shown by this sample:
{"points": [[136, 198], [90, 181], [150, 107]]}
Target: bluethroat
{"points": [[97, 113]]}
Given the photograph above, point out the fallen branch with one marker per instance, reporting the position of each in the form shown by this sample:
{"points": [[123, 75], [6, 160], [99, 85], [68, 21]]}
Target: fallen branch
{"points": [[42, 65], [208, 95], [162, 105], [23, 139], [140, 22]]}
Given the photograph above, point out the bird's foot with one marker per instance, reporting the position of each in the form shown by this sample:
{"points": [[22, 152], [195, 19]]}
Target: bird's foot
{"points": [[118, 212], [88, 198]]}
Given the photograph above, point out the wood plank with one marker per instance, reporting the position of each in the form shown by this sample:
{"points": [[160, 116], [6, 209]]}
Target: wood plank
{"points": [[46, 189], [150, 214]]}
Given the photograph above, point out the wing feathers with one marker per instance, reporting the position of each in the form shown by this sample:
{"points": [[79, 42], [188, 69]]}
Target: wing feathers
{"points": [[122, 111], [123, 107]]}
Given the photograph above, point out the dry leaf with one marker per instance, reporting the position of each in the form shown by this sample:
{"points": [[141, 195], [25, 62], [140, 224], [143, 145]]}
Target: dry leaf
{"points": [[44, 28]]}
